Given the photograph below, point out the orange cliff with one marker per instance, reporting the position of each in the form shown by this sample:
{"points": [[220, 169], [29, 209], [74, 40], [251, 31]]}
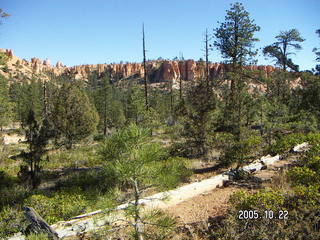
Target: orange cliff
{"points": [[158, 71]]}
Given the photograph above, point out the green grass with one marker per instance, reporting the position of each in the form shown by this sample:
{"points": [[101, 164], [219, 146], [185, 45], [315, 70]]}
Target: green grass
{"points": [[85, 156]]}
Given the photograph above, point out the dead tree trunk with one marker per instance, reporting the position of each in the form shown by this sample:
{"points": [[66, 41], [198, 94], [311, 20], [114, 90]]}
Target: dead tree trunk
{"points": [[145, 69]]}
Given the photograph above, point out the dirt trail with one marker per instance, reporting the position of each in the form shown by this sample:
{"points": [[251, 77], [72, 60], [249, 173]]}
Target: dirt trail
{"points": [[215, 203], [13, 139]]}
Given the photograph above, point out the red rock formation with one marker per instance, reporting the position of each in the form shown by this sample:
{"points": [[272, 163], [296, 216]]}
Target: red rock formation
{"points": [[59, 64], [158, 71], [9, 53], [35, 61], [47, 62]]}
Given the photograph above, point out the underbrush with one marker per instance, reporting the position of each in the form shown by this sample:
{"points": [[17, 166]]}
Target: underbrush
{"points": [[79, 157], [292, 212], [287, 142], [75, 194]]}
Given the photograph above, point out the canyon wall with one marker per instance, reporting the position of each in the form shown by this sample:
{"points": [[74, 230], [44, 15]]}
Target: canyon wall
{"points": [[158, 71]]}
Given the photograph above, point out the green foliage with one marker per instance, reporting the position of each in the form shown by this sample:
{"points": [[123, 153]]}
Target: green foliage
{"points": [[301, 202], [135, 104], [41, 236], [74, 116], [91, 181], [6, 105], [12, 194], [280, 49], [109, 108], [285, 143], [279, 87], [262, 200], [140, 163], [171, 172], [151, 119], [199, 118], [27, 97], [303, 175], [84, 156], [235, 36], [309, 96], [240, 152], [61, 206], [160, 225], [306, 196], [11, 221], [37, 136], [3, 59], [314, 139]]}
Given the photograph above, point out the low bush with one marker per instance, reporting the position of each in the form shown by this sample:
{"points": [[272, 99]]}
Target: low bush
{"points": [[173, 171], [302, 176], [240, 152], [285, 143], [61, 206], [263, 200], [12, 221]]}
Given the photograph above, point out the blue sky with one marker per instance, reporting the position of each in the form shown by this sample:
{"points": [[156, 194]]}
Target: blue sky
{"points": [[105, 31]]}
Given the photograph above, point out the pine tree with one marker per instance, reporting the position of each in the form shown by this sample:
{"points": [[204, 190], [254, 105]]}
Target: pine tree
{"points": [[199, 106], [141, 164], [280, 50], [74, 116], [27, 97], [6, 105], [37, 135], [135, 103], [317, 52], [235, 40]]}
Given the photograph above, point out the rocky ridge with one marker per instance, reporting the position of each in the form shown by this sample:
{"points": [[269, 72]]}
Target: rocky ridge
{"points": [[158, 71]]}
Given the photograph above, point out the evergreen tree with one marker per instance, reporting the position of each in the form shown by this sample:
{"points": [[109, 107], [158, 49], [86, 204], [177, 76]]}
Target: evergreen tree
{"points": [[27, 97], [5, 103], [135, 104], [317, 52], [280, 50], [235, 40], [140, 164], [37, 135], [235, 36], [200, 104], [74, 116]]}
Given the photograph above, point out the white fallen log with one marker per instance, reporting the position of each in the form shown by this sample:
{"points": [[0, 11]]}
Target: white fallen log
{"points": [[301, 147], [267, 160], [253, 167]]}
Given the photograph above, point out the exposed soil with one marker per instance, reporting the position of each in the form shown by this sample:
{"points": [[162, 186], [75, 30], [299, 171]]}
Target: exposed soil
{"points": [[215, 202], [203, 206]]}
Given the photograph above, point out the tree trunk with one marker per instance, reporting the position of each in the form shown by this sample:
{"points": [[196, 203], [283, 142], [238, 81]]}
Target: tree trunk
{"points": [[137, 221], [145, 69]]}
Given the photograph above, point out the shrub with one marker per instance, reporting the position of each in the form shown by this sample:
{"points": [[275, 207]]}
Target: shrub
{"points": [[264, 199], [41, 236], [240, 152], [12, 195], [61, 206], [313, 138], [306, 196], [286, 142], [11, 221], [173, 171], [303, 176]]}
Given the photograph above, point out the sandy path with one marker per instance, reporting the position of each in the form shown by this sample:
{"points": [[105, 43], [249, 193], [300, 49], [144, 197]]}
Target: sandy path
{"points": [[13, 139], [215, 203], [203, 206]]}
